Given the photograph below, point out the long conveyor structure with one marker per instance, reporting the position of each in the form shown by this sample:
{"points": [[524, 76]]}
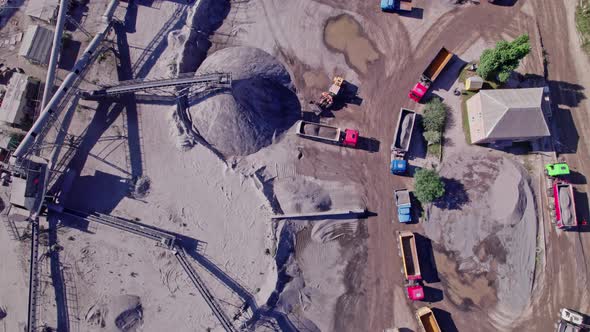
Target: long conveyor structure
{"points": [[33, 277], [218, 80], [167, 240]]}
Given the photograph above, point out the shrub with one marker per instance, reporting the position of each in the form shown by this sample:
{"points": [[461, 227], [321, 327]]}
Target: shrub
{"points": [[428, 185], [432, 137], [435, 115]]}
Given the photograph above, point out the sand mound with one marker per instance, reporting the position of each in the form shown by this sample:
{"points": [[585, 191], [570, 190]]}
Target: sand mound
{"points": [[301, 195], [120, 314], [485, 248], [260, 104]]}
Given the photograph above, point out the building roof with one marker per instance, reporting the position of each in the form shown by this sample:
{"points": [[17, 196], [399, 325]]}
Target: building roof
{"points": [[508, 114], [42, 9], [36, 44], [11, 110]]}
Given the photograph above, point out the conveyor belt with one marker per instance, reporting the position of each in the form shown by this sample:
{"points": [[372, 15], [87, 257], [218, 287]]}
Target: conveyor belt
{"points": [[33, 277], [218, 80], [198, 282]]}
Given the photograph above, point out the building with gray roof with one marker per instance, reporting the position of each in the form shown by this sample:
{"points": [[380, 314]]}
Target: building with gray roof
{"points": [[44, 10], [36, 44], [12, 109], [513, 115]]}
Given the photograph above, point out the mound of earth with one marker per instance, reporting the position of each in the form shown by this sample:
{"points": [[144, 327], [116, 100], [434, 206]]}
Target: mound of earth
{"points": [[119, 314], [484, 233], [260, 104]]}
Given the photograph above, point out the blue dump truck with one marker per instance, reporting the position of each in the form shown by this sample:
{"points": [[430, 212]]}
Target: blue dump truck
{"points": [[396, 5], [404, 205], [401, 141]]}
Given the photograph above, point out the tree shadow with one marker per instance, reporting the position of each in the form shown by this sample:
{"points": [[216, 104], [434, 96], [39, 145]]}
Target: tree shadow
{"points": [[69, 54], [455, 196], [445, 320]]}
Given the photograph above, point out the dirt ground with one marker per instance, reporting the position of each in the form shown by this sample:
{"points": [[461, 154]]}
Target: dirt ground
{"points": [[382, 55]]}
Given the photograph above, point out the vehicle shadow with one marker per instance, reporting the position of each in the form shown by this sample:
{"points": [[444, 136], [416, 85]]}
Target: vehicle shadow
{"points": [[445, 320], [417, 13], [369, 144], [426, 259], [446, 79], [348, 95], [582, 211], [432, 295], [418, 143]]}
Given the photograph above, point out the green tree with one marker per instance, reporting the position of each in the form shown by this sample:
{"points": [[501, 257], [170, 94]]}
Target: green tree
{"points": [[499, 62], [435, 115], [432, 137], [428, 185]]}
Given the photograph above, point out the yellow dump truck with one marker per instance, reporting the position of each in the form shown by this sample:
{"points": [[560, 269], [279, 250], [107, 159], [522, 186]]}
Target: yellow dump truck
{"points": [[426, 320]]}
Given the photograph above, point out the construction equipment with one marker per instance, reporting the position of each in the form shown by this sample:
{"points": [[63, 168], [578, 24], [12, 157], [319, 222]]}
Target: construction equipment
{"points": [[565, 205], [329, 134], [396, 5], [327, 98], [557, 169], [404, 205], [572, 321], [217, 80], [401, 141], [427, 320], [431, 73], [411, 265]]}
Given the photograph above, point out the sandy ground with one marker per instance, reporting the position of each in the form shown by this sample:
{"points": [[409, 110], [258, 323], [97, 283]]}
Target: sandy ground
{"points": [[337, 267]]}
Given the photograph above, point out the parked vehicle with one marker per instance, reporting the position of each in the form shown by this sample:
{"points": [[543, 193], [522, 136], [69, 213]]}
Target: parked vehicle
{"points": [[326, 100], [401, 141], [404, 205], [572, 321], [431, 73], [565, 205], [411, 265], [427, 320], [396, 5], [557, 169], [328, 134]]}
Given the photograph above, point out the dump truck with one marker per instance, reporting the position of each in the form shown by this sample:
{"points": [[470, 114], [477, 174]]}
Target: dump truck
{"points": [[565, 205], [557, 169], [396, 5], [328, 134], [411, 265], [327, 97], [401, 141], [431, 73], [427, 320], [572, 321], [404, 205]]}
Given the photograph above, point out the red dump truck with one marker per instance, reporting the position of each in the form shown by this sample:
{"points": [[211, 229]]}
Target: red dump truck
{"points": [[427, 320], [411, 265], [328, 134], [431, 73], [565, 205]]}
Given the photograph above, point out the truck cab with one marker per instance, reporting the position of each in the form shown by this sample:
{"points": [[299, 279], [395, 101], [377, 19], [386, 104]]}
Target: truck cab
{"points": [[396, 5], [418, 92], [398, 166]]}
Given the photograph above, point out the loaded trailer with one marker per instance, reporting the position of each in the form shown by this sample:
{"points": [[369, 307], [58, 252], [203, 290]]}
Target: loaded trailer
{"points": [[411, 265], [565, 205], [427, 320], [401, 141], [434, 69], [327, 134]]}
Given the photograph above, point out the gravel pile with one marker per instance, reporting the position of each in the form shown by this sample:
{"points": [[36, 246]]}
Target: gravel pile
{"points": [[260, 105]]}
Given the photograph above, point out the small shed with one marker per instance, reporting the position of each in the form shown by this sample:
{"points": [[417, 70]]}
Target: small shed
{"points": [[12, 110], [36, 44], [473, 83], [44, 10]]}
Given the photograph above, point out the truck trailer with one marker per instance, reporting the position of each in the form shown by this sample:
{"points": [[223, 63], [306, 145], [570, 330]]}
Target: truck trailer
{"points": [[427, 320], [396, 5], [436, 66], [565, 205], [328, 134], [411, 265], [401, 141]]}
